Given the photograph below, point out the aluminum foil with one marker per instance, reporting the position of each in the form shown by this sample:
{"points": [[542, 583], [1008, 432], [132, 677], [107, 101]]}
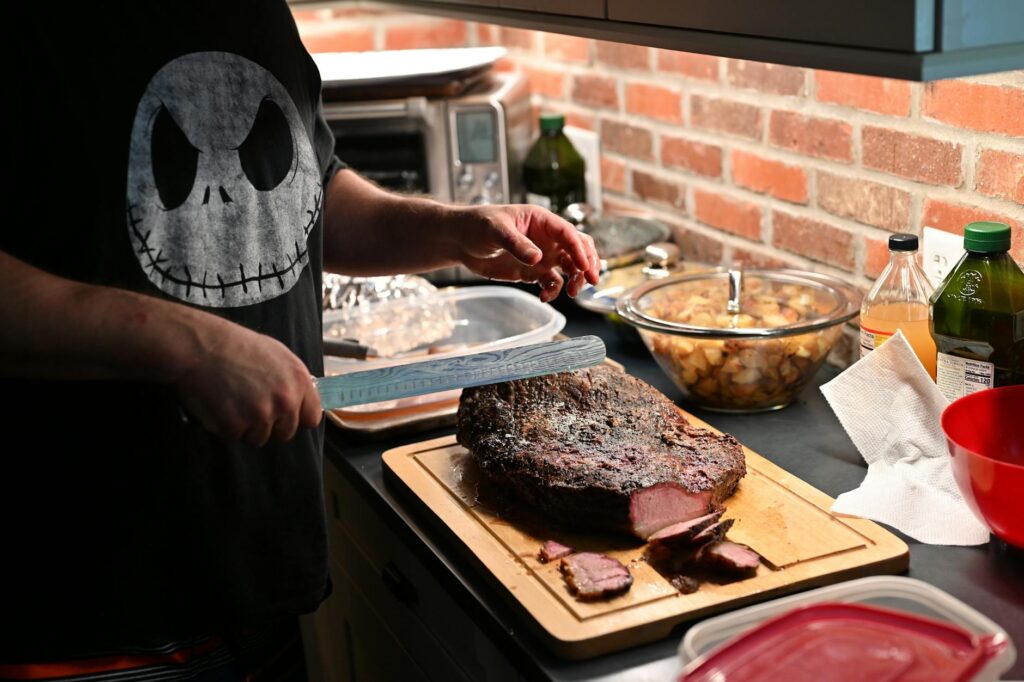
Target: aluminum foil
{"points": [[391, 315]]}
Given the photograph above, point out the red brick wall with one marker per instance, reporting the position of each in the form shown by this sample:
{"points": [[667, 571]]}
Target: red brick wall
{"points": [[755, 162]]}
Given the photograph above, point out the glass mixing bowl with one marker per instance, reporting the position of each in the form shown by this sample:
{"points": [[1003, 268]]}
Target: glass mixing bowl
{"points": [[753, 357]]}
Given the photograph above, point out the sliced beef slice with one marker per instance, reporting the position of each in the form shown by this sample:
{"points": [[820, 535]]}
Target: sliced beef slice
{"points": [[598, 448], [730, 557], [684, 583], [675, 557], [713, 533], [685, 531], [665, 504], [591, 575], [552, 551]]}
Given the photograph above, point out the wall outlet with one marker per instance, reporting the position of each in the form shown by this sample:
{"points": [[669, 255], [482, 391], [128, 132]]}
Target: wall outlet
{"points": [[942, 250], [588, 145]]}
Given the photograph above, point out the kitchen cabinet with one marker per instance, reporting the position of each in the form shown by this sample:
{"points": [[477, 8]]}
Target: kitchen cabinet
{"points": [[904, 25], [478, 3], [405, 588], [908, 39], [387, 617], [579, 8]]}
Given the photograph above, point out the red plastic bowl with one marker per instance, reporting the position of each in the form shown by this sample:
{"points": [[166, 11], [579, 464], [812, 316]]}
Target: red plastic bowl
{"points": [[985, 435]]}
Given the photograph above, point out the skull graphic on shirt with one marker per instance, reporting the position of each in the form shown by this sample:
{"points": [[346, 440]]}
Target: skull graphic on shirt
{"points": [[223, 185]]}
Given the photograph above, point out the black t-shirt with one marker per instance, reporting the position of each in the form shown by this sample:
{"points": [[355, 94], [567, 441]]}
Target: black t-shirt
{"points": [[174, 149]]}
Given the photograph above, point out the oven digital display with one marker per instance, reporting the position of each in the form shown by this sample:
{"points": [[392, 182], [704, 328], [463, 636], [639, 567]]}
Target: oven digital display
{"points": [[477, 136]]}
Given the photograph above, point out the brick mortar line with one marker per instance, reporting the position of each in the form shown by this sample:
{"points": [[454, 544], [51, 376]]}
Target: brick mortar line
{"points": [[971, 157]]}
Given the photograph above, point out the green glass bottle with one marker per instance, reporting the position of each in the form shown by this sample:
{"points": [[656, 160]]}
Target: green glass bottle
{"points": [[977, 316], [554, 172]]}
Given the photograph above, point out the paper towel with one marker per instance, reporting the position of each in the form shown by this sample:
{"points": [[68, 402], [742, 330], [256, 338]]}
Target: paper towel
{"points": [[890, 407]]}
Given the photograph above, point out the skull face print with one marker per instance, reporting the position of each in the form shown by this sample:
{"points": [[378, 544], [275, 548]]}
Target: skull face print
{"points": [[223, 186]]}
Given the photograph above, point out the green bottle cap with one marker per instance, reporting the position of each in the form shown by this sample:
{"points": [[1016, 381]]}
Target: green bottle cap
{"points": [[550, 123], [987, 237]]}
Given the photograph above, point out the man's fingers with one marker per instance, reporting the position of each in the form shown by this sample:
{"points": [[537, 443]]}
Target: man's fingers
{"points": [[517, 244], [286, 425], [258, 435], [551, 284], [311, 412], [593, 272], [576, 281], [574, 242]]}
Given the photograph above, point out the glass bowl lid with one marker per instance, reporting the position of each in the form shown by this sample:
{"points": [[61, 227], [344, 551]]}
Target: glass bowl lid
{"points": [[740, 304]]}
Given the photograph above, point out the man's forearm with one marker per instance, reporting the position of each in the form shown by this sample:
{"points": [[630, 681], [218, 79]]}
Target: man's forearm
{"points": [[52, 327], [369, 231]]}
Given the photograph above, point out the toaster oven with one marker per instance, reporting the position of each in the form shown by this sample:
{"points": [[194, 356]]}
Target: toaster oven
{"points": [[467, 148]]}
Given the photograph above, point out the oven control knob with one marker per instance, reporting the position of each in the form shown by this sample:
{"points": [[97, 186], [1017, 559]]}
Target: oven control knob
{"points": [[465, 180], [492, 179]]}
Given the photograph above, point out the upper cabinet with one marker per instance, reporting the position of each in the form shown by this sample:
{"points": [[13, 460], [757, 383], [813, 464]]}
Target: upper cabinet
{"points": [[579, 8], [910, 39], [904, 25]]}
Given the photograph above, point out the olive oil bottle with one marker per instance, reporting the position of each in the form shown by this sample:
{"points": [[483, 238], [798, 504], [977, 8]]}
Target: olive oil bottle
{"points": [[977, 316], [554, 172]]}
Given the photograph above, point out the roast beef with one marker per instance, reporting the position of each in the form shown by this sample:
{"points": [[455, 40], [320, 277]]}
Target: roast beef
{"points": [[684, 531], [679, 551], [730, 557], [591, 575], [684, 583], [551, 550], [598, 448]]}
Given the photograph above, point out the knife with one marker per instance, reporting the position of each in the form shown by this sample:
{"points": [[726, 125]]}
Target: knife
{"points": [[477, 369]]}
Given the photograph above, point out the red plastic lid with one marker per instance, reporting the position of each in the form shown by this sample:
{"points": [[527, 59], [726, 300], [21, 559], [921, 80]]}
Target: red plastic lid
{"points": [[841, 642]]}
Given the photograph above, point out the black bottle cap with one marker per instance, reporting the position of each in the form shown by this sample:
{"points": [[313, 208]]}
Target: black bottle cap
{"points": [[903, 242]]}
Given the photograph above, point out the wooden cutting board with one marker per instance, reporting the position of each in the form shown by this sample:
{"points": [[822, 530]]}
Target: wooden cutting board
{"points": [[786, 520]]}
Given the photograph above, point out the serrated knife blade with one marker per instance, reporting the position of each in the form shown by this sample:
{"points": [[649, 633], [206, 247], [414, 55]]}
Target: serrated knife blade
{"points": [[477, 369]]}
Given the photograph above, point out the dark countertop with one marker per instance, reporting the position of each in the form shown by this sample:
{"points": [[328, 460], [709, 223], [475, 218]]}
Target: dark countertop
{"points": [[805, 438]]}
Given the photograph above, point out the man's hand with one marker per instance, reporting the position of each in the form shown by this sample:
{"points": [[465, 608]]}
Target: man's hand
{"points": [[370, 232], [523, 243], [248, 386], [234, 381]]}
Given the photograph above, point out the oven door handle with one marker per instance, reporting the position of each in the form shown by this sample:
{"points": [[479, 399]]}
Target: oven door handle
{"points": [[414, 107]]}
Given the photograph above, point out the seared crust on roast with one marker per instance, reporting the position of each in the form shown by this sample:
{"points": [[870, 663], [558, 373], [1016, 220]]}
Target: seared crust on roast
{"points": [[577, 445]]}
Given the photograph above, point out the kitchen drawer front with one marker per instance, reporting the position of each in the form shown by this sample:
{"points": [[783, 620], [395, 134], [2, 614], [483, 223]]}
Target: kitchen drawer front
{"points": [[367, 645], [578, 8], [900, 25], [408, 597], [477, 3]]}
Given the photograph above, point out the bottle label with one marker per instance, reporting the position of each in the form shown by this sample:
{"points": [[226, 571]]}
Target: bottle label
{"points": [[958, 376], [870, 340], [538, 200]]}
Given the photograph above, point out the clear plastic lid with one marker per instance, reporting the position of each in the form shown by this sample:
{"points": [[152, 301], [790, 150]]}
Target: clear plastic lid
{"points": [[765, 303], [947, 630], [476, 319]]}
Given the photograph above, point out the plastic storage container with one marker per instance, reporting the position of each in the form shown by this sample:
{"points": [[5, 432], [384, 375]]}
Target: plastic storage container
{"points": [[482, 318], [895, 593]]}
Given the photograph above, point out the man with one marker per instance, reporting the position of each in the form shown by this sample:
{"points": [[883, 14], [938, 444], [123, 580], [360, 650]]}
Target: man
{"points": [[159, 323]]}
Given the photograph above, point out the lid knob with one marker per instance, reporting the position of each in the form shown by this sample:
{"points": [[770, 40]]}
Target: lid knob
{"points": [[660, 257], [735, 291]]}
